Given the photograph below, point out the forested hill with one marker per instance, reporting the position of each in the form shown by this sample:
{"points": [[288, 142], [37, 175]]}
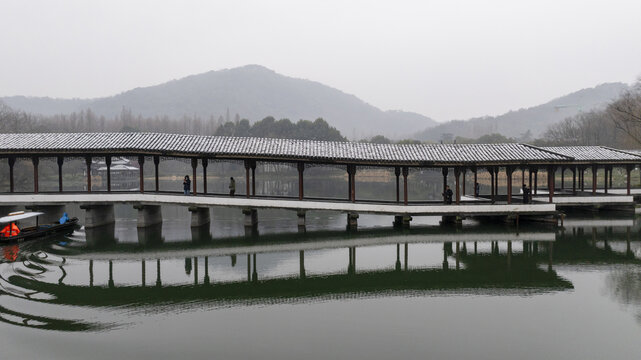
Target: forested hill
{"points": [[253, 92], [536, 120]]}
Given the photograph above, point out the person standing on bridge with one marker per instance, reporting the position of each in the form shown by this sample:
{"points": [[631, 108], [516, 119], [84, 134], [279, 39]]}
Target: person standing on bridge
{"points": [[232, 186], [186, 185], [447, 195]]}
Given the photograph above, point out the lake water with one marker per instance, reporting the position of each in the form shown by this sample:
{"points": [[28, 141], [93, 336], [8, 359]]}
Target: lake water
{"points": [[533, 292]]}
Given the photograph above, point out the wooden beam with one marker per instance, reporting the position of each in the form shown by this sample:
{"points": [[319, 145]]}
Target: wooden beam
{"points": [[60, 161], [194, 167], [12, 161], [508, 172], [457, 174], [301, 189], [397, 172]]}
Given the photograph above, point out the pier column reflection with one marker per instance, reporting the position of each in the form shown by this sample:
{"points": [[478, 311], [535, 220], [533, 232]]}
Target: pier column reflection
{"points": [[301, 256], [144, 273], [255, 272], [406, 266], [111, 274], [206, 280], [158, 282], [398, 257]]}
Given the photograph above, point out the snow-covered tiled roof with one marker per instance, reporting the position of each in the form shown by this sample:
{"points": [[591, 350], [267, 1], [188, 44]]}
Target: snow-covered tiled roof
{"points": [[284, 149], [594, 153]]}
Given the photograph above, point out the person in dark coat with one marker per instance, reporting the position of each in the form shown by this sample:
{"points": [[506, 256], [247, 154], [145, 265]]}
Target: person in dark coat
{"points": [[447, 195], [232, 186], [186, 185]]}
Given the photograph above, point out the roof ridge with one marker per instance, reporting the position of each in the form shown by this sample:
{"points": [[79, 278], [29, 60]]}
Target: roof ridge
{"points": [[548, 151]]}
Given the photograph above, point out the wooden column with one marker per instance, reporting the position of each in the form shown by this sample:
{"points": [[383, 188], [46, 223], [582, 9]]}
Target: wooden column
{"points": [[12, 161], [247, 166], [605, 179], [562, 177], [88, 163], [205, 163], [397, 172], [573, 180], [551, 170], [36, 160], [353, 189], [508, 172], [253, 167], [405, 173], [108, 163], [194, 182], [60, 162], [349, 182], [141, 171], [594, 171], [491, 171], [529, 173], [582, 178], [301, 189], [476, 180], [628, 170], [610, 170], [463, 172], [457, 174], [536, 181], [444, 170], [156, 176], [496, 180]]}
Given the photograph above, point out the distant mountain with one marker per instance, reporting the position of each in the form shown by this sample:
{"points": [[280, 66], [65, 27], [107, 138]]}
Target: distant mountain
{"points": [[534, 119], [254, 92]]}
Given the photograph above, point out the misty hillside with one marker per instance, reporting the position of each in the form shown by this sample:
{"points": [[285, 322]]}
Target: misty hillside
{"points": [[535, 119], [253, 92]]}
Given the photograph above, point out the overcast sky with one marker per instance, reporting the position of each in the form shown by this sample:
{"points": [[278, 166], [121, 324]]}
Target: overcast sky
{"points": [[443, 59]]}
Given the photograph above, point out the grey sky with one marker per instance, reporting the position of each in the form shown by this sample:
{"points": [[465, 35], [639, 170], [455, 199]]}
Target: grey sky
{"points": [[444, 59]]}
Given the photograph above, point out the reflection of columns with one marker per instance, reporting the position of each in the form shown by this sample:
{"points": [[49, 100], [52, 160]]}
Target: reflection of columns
{"points": [[351, 267], [143, 272], [301, 259], [195, 270], [405, 173], [475, 248], [35, 161], [509, 255], [108, 163], [398, 257], [158, 282], [60, 162], [111, 274], [405, 260], [255, 272], [458, 254], [249, 268], [628, 251], [12, 161], [550, 255], [445, 264], [206, 280], [141, 169], [90, 273], [397, 172]]}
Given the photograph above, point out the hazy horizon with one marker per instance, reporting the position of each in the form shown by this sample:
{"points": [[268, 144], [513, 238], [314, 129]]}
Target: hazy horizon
{"points": [[445, 61]]}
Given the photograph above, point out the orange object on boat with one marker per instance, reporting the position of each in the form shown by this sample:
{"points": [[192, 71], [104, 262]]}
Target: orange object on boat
{"points": [[10, 230]]}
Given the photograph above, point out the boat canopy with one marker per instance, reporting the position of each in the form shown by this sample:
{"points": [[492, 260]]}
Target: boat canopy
{"points": [[19, 216]]}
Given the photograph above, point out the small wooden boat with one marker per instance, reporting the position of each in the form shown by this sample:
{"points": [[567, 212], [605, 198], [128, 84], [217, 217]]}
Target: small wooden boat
{"points": [[32, 232]]}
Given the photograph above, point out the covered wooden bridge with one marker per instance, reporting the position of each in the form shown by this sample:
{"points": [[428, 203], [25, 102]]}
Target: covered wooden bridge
{"points": [[451, 159]]}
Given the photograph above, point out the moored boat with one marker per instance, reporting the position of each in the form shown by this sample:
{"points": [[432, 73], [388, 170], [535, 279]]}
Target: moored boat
{"points": [[12, 233]]}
